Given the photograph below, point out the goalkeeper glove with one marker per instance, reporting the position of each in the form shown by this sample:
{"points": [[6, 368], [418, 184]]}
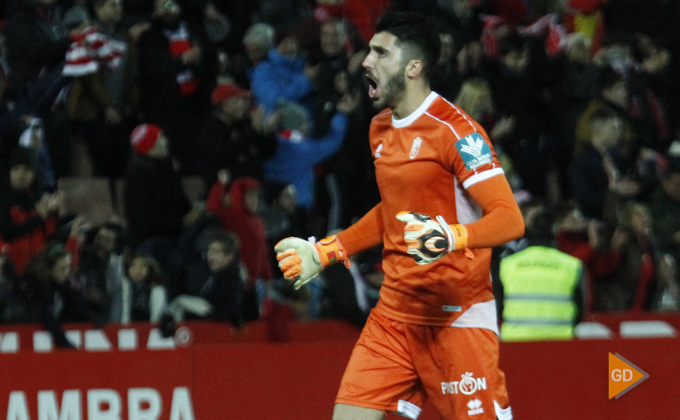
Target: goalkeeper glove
{"points": [[429, 240], [300, 260]]}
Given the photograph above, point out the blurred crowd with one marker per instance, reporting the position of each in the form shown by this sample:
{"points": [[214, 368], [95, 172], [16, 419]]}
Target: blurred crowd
{"points": [[265, 102]]}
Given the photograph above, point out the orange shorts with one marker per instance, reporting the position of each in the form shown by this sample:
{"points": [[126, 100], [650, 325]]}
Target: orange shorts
{"points": [[397, 367]]}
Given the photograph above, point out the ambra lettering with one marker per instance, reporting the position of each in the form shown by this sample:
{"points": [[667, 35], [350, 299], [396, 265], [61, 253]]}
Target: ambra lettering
{"points": [[102, 404]]}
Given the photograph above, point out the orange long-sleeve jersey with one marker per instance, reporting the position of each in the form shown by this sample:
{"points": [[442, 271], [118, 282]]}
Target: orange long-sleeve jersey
{"points": [[437, 161]]}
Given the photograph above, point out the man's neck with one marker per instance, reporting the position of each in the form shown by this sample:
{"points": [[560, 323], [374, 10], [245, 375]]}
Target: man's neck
{"points": [[410, 100]]}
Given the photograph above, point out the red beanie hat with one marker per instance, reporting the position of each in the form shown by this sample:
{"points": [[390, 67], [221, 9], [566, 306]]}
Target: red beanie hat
{"points": [[144, 137]]}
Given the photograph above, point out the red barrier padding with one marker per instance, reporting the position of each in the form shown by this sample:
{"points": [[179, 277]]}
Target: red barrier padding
{"points": [[217, 377]]}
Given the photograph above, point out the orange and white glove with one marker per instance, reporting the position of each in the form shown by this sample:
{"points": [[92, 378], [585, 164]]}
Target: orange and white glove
{"points": [[300, 260], [429, 240]]}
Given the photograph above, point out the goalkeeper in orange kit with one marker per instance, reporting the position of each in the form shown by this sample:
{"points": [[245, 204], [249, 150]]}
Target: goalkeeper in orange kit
{"points": [[445, 203]]}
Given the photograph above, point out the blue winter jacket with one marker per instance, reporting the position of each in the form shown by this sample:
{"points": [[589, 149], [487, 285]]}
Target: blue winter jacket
{"points": [[278, 78], [296, 157]]}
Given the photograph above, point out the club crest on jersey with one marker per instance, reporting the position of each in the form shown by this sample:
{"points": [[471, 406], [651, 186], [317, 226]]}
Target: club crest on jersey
{"points": [[474, 151], [415, 148]]}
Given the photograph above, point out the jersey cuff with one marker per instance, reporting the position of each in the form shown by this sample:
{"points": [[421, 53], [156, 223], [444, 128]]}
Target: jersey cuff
{"points": [[482, 176]]}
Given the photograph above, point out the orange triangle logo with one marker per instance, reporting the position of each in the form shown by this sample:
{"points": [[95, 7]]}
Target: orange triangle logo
{"points": [[623, 375]]}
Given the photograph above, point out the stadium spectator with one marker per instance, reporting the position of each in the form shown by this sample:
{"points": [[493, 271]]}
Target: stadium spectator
{"points": [[49, 273], [600, 171], [297, 154], [235, 138], [27, 218], [543, 290], [137, 293], [281, 214], [614, 95], [237, 211], [100, 103], [217, 293], [176, 71], [333, 79], [258, 40], [280, 73], [99, 265], [156, 208], [631, 282], [35, 43]]}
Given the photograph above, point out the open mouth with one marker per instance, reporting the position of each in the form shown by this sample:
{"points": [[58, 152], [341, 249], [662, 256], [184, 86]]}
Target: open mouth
{"points": [[372, 86]]}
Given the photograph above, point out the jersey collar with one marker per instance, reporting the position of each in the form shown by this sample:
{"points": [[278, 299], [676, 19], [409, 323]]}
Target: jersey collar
{"points": [[415, 114]]}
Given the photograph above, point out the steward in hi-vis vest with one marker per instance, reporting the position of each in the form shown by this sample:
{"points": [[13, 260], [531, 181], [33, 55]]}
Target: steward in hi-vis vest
{"points": [[539, 285], [543, 289]]}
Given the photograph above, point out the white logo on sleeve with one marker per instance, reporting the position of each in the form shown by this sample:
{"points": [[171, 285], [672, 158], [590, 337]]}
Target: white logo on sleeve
{"points": [[415, 148], [468, 385], [378, 150], [473, 146], [474, 151], [475, 407]]}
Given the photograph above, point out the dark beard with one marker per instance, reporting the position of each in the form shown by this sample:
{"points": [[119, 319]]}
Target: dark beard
{"points": [[395, 86]]}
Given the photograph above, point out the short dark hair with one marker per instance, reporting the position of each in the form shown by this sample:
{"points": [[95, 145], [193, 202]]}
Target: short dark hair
{"points": [[415, 31], [228, 240]]}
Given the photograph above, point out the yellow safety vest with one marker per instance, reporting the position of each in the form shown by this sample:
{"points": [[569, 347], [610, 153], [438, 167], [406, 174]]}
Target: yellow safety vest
{"points": [[538, 285]]}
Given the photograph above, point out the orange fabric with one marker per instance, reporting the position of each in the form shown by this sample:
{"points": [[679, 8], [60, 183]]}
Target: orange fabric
{"points": [[423, 167], [502, 221], [366, 233], [394, 361]]}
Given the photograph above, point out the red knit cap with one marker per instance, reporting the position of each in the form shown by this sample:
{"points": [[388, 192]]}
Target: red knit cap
{"points": [[144, 137]]}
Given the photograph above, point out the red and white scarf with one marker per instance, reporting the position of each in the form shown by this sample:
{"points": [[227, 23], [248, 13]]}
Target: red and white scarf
{"points": [[179, 44], [549, 26], [89, 51]]}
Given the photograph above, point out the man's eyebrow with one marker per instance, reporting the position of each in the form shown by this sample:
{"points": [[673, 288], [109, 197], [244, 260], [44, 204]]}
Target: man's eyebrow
{"points": [[378, 49]]}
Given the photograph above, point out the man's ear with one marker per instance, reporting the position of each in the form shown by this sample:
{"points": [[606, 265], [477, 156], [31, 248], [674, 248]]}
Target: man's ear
{"points": [[414, 68]]}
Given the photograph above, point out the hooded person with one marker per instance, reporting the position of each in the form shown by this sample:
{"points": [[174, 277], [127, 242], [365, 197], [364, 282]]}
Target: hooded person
{"points": [[236, 211]]}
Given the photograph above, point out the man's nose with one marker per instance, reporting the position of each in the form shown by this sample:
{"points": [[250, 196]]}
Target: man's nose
{"points": [[368, 62]]}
